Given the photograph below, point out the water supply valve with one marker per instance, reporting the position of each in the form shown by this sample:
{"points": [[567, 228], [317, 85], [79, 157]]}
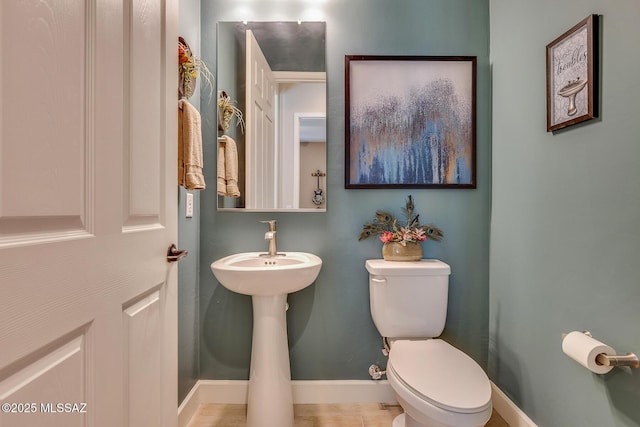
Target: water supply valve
{"points": [[375, 372]]}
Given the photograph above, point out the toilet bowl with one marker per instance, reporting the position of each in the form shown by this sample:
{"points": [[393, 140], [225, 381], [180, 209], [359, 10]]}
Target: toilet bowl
{"points": [[437, 385]]}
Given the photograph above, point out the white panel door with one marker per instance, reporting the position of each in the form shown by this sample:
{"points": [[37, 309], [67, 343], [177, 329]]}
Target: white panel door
{"points": [[260, 131], [88, 127]]}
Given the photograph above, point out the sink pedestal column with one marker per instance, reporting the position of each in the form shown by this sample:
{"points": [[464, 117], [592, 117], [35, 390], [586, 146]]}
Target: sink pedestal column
{"points": [[270, 400]]}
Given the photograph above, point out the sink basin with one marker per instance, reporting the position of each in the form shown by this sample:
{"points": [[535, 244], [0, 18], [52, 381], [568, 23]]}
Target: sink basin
{"points": [[268, 280], [249, 273]]}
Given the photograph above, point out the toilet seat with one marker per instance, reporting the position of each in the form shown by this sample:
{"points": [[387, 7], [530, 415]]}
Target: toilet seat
{"points": [[441, 375]]}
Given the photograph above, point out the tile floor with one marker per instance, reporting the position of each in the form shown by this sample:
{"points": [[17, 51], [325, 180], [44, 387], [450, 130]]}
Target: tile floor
{"points": [[333, 415]]}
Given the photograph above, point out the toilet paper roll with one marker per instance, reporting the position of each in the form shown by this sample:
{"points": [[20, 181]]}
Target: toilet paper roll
{"points": [[584, 349]]}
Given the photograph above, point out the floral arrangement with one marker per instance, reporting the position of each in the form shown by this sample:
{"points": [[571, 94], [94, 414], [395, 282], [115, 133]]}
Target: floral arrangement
{"points": [[188, 67], [388, 228]]}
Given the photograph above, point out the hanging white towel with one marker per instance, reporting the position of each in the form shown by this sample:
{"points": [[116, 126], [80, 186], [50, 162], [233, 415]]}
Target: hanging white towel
{"points": [[189, 147], [227, 167]]}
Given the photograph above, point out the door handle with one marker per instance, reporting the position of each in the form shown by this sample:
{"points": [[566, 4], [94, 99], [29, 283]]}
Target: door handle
{"points": [[174, 254]]}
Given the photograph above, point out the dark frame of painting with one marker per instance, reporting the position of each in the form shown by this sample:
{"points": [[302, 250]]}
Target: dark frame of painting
{"points": [[572, 66], [410, 121]]}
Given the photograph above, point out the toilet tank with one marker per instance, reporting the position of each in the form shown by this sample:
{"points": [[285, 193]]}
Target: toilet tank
{"points": [[408, 299]]}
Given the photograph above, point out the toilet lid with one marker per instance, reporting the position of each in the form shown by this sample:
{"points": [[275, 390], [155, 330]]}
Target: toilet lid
{"points": [[441, 374]]}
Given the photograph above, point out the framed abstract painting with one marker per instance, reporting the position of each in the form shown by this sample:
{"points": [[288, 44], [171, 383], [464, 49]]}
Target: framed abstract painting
{"points": [[410, 121]]}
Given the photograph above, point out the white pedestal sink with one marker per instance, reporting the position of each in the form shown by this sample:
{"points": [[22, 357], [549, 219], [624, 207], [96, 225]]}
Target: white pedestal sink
{"points": [[268, 280]]}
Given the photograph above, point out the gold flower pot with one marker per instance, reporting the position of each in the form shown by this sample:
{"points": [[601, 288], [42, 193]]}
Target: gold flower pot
{"points": [[394, 251]]}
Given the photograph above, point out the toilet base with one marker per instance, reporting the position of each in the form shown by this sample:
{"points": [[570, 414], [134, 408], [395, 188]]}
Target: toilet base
{"points": [[404, 420], [398, 421]]}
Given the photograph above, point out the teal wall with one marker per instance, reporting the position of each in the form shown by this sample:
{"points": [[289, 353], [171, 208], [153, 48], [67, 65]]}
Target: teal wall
{"points": [[330, 329], [565, 217], [189, 237]]}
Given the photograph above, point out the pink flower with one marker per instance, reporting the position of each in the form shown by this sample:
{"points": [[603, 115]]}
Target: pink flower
{"points": [[387, 236], [419, 235]]}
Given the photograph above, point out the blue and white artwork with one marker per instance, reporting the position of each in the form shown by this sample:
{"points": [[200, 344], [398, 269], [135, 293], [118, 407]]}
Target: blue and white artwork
{"points": [[411, 123]]}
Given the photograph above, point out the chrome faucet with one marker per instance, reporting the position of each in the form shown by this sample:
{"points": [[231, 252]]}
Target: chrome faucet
{"points": [[271, 237]]}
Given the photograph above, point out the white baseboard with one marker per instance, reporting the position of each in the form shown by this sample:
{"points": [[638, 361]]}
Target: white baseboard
{"points": [[508, 410], [342, 391], [325, 392], [189, 406]]}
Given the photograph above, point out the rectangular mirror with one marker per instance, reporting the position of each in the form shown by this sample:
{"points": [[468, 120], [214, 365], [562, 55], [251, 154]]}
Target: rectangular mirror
{"points": [[275, 74]]}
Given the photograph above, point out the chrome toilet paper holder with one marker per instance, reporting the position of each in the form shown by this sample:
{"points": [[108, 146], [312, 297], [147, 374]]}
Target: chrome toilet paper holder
{"points": [[629, 359]]}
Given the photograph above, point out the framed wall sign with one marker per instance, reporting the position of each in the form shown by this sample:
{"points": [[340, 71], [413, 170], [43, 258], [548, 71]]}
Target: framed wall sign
{"points": [[410, 121], [572, 79]]}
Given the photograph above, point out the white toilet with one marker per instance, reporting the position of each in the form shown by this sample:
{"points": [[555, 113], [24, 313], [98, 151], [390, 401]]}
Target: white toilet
{"points": [[436, 384]]}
